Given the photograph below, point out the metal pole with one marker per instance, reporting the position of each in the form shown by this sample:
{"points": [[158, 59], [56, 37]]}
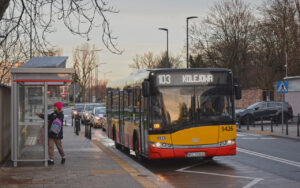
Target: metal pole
{"points": [[90, 85], [187, 39], [168, 46], [74, 93], [96, 82], [262, 124], [298, 122], [30, 38], [46, 122], [286, 65], [282, 112], [187, 43], [164, 29], [247, 123], [271, 124], [287, 128]]}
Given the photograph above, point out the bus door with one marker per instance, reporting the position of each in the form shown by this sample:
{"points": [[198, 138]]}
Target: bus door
{"points": [[121, 119], [144, 124], [137, 112], [127, 100], [109, 114]]}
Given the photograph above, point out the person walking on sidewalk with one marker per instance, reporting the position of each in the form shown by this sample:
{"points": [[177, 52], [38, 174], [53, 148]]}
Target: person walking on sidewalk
{"points": [[55, 137]]}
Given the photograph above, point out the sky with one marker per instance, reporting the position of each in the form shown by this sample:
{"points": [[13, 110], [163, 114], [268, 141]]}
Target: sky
{"points": [[136, 26]]}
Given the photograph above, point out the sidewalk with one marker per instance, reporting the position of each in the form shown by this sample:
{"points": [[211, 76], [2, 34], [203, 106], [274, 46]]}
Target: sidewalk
{"points": [[88, 164], [264, 128]]}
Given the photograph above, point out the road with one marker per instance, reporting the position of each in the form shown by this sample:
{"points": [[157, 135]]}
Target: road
{"points": [[261, 161]]}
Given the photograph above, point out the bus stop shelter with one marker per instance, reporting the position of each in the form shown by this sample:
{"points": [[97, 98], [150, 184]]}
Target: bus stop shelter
{"points": [[33, 85]]}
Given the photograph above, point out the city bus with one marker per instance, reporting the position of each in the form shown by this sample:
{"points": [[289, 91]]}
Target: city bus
{"points": [[160, 113]]}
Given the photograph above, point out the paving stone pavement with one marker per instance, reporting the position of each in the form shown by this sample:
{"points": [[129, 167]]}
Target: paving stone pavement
{"points": [[86, 166]]}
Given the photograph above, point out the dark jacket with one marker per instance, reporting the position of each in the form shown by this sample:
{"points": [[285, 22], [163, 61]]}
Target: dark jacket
{"points": [[51, 118]]}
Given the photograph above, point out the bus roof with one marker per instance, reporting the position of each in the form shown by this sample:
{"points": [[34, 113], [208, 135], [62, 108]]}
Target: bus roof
{"points": [[139, 76]]}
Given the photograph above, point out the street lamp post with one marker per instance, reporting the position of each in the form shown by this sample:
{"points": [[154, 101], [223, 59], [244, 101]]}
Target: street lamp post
{"points": [[187, 39], [96, 75], [164, 29]]}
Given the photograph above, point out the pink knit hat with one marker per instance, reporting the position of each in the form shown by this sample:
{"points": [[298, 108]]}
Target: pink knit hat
{"points": [[59, 105]]}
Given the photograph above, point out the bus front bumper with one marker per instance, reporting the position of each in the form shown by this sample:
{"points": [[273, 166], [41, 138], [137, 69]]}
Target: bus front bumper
{"points": [[160, 153]]}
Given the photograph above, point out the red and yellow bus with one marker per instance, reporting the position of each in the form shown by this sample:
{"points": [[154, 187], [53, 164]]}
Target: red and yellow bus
{"points": [[163, 113]]}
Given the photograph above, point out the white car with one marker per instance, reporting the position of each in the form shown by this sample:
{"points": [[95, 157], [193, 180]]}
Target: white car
{"points": [[98, 118], [87, 111]]}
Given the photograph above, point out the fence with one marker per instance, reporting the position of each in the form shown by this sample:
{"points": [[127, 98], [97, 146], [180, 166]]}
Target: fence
{"points": [[290, 127], [5, 112]]}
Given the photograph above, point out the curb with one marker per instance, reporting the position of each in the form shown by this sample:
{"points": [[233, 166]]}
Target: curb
{"points": [[268, 133]]}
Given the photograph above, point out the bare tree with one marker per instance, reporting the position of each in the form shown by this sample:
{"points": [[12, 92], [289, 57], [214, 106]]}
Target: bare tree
{"points": [[149, 61], [279, 38], [227, 37], [85, 58], [32, 20], [145, 61]]}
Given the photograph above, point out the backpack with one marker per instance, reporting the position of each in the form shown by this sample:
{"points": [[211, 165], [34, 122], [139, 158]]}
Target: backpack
{"points": [[56, 126]]}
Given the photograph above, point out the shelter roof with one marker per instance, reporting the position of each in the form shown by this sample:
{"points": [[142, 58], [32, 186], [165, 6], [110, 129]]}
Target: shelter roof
{"points": [[46, 62]]}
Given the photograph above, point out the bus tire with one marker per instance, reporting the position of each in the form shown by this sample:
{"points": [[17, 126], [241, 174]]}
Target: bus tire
{"points": [[126, 150], [118, 146], [114, 133]]}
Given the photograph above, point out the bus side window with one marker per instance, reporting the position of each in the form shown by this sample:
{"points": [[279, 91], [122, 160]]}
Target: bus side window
{"points": [[130, 104], [126, 104]]}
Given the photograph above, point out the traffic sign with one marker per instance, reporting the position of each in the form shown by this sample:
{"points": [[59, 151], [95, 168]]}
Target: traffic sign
{"points": [[282, 87]]}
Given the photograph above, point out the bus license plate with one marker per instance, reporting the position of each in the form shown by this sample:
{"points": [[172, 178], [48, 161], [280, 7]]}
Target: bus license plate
{"points": [[195, 154]]}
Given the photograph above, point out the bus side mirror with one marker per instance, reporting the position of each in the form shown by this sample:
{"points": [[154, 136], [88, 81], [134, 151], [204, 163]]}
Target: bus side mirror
{"points": [[146, 88], [237, 92]]}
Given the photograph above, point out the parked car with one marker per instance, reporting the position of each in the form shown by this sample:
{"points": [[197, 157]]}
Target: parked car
{"points": [[77, 110], [266, 110], [98, 118], [87, 110]]}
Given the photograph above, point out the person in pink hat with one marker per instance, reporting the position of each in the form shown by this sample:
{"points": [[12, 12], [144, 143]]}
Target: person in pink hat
{"points": [[55, 132]]}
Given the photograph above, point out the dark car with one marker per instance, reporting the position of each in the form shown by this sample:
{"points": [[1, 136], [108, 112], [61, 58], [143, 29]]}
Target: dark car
{"points": [[266, 110]]}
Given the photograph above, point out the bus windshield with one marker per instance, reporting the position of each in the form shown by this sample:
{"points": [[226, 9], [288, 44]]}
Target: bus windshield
{"points": [[192, 106]]}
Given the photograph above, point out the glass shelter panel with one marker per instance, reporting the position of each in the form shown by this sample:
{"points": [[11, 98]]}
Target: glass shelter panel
{"points": [[31, 136]]}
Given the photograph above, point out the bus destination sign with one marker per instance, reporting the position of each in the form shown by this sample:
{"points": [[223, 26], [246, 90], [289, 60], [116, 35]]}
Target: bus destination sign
{"points": [[166, 79]]}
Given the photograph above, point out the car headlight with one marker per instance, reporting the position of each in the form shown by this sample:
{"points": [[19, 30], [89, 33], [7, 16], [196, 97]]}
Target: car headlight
{"points": [[86, 114], [75, 112], [97, 118], [227, 142], [161, 145]]}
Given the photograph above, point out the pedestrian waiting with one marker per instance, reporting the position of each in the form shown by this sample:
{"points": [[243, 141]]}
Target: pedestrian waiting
{"points": [[55, 132]]}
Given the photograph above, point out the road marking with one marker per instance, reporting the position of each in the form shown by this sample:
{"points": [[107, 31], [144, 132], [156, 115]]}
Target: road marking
{"points": [[267, 138], [248, 134], [263, 138], [249, 185], [249, 138], [270, 157]]}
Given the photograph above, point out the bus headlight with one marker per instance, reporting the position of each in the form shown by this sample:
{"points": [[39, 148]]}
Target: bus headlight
{"points": [[161, 145], [227, 143]]}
